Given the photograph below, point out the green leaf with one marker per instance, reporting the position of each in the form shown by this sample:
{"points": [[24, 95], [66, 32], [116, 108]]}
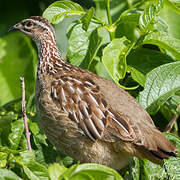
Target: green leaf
{"points": [[161, 84], [8, 175], [161, 25], [94, 44], [152, 171], [172, 166], [137, 76], [5, 128], [128, 24], [2, 50], [86, 19], [78, 42], [172, 19], [20, 62], [134, 170], [116, 8], [164, 41], [3, 159], [17, 128], [31, 168], [91, 171], [148, 18], [174, 5], [55, 170], [142, 60], [58, 10], [114, 58], [101, 70]]}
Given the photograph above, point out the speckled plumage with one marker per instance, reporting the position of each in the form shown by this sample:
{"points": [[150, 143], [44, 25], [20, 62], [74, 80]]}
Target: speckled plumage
{"points": [[86, 116]]}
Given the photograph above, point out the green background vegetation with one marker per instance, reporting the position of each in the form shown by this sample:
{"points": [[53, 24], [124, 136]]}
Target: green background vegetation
{"points": [[136, 44]]}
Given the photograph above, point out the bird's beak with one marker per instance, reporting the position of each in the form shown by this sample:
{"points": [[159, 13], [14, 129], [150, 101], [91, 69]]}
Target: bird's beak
{"points": [[15, 27]]}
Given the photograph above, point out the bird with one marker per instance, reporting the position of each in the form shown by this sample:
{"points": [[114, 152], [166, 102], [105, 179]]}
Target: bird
{"points": [[85, 116]]}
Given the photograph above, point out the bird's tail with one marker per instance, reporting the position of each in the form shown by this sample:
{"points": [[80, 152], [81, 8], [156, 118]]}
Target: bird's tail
{"points": [[157, 147]]}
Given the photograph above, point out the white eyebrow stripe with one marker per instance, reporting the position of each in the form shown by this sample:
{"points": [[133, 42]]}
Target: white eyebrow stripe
{"points": [[44, 26]]}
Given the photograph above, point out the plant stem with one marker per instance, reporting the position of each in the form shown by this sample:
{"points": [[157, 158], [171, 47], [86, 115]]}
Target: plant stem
{"points": [[108, 11], [24, 115]]}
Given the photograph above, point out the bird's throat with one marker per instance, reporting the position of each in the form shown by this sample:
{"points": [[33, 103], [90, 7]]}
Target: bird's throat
{"points": [[49, 55]]}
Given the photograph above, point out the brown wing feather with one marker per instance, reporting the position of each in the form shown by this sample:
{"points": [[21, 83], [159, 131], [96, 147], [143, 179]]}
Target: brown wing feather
{"points": [[85, 104]]}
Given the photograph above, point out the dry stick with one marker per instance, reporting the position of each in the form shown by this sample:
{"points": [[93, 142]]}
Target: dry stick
{"points": [[24, 114], [171, 123]]}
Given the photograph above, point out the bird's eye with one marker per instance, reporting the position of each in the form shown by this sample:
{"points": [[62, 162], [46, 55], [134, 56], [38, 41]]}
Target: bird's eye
{"points": [[29, 24]]}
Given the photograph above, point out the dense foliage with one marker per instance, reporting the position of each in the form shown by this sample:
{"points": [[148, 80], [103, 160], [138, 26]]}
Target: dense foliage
{"points": [[134, 43]]}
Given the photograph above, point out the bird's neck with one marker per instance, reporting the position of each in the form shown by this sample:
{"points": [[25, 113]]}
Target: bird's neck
{"points": [[49, 55]]}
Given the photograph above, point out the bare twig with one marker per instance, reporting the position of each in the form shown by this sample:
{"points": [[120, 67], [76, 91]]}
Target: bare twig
{"points": [[173, 120], [24, 114]]}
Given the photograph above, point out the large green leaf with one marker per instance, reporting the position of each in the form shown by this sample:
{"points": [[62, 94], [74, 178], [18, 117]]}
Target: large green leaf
{"points": [[127, 24], [148, 18], [94, 44], [101, 70], [117, 7], [86, 19], [172, 19], [164, 41], [58, 10], [142, 60], [90, 171], [5, 127], [134, 171], [17, 128], [152, 171], [8, 175], [174, 4], [3, 159], [55, 170], [161, 83], [172, 167], [19, 61], [31, 168], [114, 58], [78, 42]]}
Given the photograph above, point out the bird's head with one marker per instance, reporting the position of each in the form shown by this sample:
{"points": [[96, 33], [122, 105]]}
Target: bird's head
{"points": [[36, 27]]}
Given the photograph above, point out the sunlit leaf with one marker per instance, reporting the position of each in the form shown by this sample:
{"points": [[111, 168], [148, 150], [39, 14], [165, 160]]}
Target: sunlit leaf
{"points": [[164, 41], [55, 170], [148, 18], [161, 83], [86, 19], [78, 42], [58, 10], [172, 20], [114, 58], [95, 171], [17, 128], [142, 60], [8, 175], [94, 44], [3, 159], [174, 4]]}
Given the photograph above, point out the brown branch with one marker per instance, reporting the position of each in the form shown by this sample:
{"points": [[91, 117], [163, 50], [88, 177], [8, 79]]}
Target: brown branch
{"points": [[173, 120], [24, 114]]}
